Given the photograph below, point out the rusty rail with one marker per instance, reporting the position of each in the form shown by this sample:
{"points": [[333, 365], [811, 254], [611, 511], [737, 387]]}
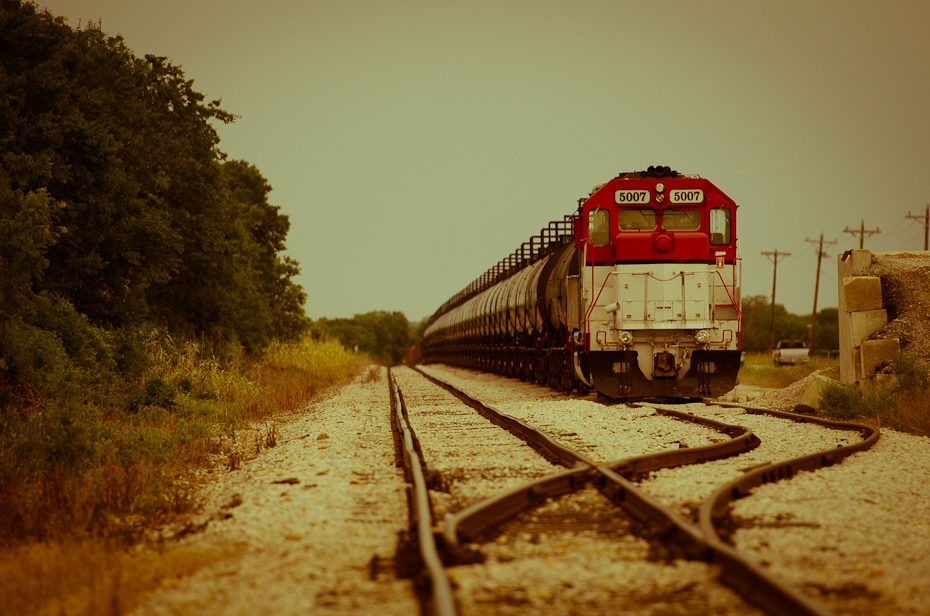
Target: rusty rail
{"points": [[439, 591], [616, 481], [716, 507], [548, 447]]}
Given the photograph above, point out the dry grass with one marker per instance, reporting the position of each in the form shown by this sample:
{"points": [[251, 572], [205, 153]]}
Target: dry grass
{"points": [[903, 404], [760, 370], [81, 481], [290, 374], [89, 577]]}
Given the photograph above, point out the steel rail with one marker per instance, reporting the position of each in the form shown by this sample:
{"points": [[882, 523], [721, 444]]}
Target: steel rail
{"points": [[755, 584], [441, 599], [616, 478], [465, 524], [741, 440], [747, 578], [717, 505], [548, 447]]}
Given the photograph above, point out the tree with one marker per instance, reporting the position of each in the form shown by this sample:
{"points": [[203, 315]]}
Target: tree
{"points": [[757, 319], [144, 220], [385, 335]]}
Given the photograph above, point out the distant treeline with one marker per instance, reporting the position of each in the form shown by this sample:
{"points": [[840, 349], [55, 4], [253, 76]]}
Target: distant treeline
{"points": [[757, 325], [383, 335], [118, 209]]}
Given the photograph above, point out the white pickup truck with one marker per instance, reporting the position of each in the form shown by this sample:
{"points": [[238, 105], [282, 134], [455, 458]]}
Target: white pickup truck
{"points": [[791, 352]]}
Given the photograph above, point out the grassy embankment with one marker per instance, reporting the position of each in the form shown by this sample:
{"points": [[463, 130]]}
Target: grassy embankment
{"points": [[900, 403], [84, 477], [903, 403], [760, 371]]}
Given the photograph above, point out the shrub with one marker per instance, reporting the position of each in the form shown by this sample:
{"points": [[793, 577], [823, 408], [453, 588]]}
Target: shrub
{"points": [[155, 392], [107, 462], [846, 402], [841, 401], [906, 407]]}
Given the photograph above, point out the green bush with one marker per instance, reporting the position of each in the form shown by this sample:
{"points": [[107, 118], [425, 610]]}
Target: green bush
{"points": [[846, 402], [911, 375], [383, 335], [906, 407], [35, 358], [155, 392]]}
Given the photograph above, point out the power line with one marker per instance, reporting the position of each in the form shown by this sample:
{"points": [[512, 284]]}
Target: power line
{"points": [[773, 257], [926, 219], [862, 232], [820, 257], [897, 229]]}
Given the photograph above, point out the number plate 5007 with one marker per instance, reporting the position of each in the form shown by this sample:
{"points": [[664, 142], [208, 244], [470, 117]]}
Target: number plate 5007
{"points": [[632, 196], [686, 195]]}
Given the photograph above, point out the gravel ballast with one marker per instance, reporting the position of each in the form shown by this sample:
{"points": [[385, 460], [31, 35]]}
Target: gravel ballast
{"points": [[856, 535], [314, 511]]}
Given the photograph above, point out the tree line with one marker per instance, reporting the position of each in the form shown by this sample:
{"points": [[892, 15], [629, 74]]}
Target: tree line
{"points": [[757, 325], [117, 207], [383, 335]]}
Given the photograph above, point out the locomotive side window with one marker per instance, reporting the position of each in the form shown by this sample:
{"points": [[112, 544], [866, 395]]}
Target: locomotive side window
{"points": [[720, 226], [681, 220], [637, 219], [599, 227]]}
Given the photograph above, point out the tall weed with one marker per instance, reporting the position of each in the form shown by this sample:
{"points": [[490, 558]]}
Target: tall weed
{"points": [[111, 461], [759, 370], [905, 407]]}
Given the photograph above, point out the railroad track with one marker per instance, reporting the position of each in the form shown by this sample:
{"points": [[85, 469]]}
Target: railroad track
{"points": [[518, 501]]}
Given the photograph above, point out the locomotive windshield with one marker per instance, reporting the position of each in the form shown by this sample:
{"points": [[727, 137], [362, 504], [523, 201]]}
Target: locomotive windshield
{"points": [[681, 220], [599, 227], [637, 219], [720, 233]]}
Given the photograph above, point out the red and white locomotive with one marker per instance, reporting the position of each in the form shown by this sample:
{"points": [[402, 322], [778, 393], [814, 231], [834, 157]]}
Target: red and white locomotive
{"points": [[636, 294]]}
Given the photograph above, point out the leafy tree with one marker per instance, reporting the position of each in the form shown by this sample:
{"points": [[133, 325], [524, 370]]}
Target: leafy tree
{"points": [[117, 207], [385, 335], [268, 228], [757, 320], [149, 220], [828, 330]]}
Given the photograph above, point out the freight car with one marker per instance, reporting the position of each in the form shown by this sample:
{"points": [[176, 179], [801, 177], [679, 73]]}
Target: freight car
{"points": [[636, 294]]}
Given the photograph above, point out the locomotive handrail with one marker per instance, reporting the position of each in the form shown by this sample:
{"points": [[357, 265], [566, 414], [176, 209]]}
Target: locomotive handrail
{"points": [[540, 245], [593, 305], [739, 313]]}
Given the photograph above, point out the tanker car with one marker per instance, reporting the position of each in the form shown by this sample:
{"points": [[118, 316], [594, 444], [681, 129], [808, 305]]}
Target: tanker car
{"points": [[636, 294]]}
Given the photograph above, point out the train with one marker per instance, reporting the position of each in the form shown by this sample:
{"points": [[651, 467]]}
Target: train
{"points": [[635, 295]]}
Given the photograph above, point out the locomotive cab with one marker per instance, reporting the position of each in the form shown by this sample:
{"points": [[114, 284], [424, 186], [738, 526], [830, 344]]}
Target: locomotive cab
{"points": [[660, 283]]}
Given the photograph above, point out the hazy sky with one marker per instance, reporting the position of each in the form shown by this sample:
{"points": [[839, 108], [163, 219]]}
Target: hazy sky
{"points": [[415, 144]]}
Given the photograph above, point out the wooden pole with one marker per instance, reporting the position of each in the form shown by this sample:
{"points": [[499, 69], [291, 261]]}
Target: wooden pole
{"points": [[820, 257], [773, 256]]}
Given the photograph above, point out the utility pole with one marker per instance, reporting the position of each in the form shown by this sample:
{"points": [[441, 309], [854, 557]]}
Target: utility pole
{"points": [[820, 257], [773, 257], [862, 233], [926, 219]]}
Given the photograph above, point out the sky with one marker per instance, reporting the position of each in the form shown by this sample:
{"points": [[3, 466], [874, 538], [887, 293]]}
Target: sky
{"points": [[414, 144]]}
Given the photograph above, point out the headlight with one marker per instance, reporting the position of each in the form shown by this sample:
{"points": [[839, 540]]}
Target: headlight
{"points": [[703, 336], [626, 338]]}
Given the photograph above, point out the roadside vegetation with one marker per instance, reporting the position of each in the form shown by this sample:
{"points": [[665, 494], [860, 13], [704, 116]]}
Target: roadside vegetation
{"points": [[383, 335], [150, 327], [85, 475], [759, 370], [902, 405]]}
